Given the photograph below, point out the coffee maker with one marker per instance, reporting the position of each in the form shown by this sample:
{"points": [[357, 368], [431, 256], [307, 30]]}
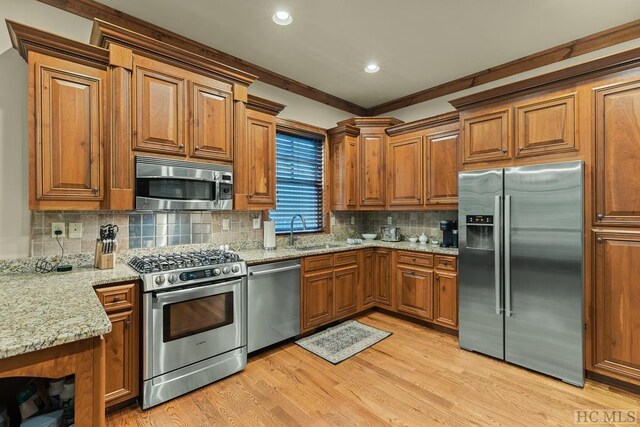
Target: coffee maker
{"points": [[449, 233]]}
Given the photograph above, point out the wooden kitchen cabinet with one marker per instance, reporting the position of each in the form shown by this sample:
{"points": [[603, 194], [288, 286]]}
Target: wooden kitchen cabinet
{"points": [[446, 299], [368, 278], [261, 140], [441, 154], [66, 133], [617, 136], [383, 287], [343, 161], [372, 148], [345, 282], [122, 343], [414, 289], [159, 102], [616, 340], [487, 136], [317, 299], [211, 106], [405, 170]]}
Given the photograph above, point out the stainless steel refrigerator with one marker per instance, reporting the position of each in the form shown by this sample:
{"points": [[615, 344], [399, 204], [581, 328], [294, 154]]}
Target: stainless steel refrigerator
{"points": [[521, 266]]}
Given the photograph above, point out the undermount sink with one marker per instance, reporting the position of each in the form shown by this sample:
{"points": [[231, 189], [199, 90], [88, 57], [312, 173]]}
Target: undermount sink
{"points": [[316, 247]]}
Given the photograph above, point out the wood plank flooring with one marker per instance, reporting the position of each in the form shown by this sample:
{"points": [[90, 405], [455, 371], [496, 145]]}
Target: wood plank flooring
{"points": [[416, 377]]}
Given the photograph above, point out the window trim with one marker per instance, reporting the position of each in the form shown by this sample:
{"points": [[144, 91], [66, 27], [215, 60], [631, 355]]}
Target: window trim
{"points": [[304, 130]]}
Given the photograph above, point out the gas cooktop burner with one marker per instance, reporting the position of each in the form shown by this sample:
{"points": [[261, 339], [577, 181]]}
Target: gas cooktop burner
{"points": [[157, 263]]}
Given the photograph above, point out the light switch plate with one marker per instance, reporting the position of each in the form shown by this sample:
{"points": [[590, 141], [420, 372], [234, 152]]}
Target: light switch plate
{"points": [[333, 220], [225, 224], [57, 226], [353, 220], [389, 220], [75, 230], [256, 223]]}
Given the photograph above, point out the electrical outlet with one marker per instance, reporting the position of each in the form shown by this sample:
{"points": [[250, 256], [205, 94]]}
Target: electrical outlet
{"points": [[75, 230], [225, 224], [353, 220], [389, 220], [333, 220], [256, 223], [57, 226]]}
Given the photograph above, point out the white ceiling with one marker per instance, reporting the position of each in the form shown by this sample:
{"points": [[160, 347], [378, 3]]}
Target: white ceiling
{"points": [[418, 43]]}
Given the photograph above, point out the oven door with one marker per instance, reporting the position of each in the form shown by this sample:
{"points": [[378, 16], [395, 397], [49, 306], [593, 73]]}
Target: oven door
{"points": [[189, 325]]}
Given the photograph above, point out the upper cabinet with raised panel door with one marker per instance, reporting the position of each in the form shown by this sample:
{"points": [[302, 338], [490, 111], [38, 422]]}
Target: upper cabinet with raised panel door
{"points": [[422, 164], [617, 135], [369, 181], [255, 160], [487, 136], [68, 125]]}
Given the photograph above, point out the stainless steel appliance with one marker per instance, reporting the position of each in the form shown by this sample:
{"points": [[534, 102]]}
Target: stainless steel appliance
{"points": [[274, 303], [449, 233], [390, 234], [194, 309], [521, 266], [165, 184]]}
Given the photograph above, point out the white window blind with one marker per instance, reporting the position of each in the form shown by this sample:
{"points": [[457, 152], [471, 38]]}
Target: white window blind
{"points": [[299, 167]]}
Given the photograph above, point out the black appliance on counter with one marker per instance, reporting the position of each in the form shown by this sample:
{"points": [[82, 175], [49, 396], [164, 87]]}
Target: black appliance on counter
{"points": [[449, 233]]}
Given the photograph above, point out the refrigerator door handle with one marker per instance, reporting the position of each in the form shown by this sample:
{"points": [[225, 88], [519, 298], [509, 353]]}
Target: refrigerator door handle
{"points": [[507, 255], [497, 246]]}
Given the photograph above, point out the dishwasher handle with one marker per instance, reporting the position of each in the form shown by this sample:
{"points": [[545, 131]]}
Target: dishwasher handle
{"points": [[273, 271]]}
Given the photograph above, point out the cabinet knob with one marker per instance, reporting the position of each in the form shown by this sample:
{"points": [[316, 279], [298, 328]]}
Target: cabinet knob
{"points": [[504, 151], [116, 299], [95, 189], [413, 272], [127, 322], [600, 239], [521, 148], [600, 216], [181, 146], [437, 277], [413, 259], [197, 147]]}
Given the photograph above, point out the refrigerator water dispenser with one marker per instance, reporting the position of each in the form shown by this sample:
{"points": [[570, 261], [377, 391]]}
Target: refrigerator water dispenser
{"points": [[480, 232]]}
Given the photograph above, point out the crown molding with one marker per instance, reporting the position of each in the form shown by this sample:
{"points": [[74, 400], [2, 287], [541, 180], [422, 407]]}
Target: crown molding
{"points": [[370, 121], [429, 122], [264, 105], [343, 130]]}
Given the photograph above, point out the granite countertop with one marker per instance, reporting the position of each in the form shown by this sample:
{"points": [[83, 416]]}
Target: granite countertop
{"points": [[38, 311], [259, 256]]}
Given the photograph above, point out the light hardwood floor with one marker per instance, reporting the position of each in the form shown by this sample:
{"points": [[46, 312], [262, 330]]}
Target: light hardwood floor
{"points": [[416, 377]]}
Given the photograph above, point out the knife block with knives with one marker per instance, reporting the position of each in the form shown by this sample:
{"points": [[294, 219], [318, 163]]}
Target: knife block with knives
{"points": [[106, 246]]}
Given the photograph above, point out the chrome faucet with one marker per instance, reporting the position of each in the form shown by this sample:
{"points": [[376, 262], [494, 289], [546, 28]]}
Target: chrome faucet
{"points": [[304, 226]]}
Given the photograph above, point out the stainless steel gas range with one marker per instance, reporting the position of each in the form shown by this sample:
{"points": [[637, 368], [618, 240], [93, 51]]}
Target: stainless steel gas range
{"points": [[194, 321]]}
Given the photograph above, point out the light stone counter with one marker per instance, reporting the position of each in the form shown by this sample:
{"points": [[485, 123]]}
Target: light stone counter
{"points": [[38, 311]]}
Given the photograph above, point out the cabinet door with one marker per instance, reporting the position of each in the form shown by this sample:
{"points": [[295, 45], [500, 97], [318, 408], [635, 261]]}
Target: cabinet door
{"points": [[617, 127], [67, 150], [367, 279], [442, 168], [344, 176], [617, 318], [317, 299], [546, 127], [372, 169], [345, 282], [405, 169], [121, 360], [487, 137], [211, 107], [159, 102], [415, 291], [261, 160], [383, 283], [446, 299], [351, 173]]}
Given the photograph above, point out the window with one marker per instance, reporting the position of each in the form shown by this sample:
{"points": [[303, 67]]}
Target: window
{"points": [[299, 167]]}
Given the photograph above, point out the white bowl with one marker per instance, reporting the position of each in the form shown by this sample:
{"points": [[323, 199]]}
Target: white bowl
{"points": [[369, 236], [413, 239]]}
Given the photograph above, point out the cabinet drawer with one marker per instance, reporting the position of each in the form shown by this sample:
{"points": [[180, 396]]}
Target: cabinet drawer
{"points": [[344, 258], [318, 262], [415, 259], [115, 298], [446, 263]]}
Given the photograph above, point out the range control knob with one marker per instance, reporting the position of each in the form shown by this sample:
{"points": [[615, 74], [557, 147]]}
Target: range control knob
{"points": [[173, 279], [216, 271], [235, 268], [226, 270], [159, 280]]}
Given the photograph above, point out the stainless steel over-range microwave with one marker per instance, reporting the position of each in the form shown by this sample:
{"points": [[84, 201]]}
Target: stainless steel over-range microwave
{"points": [[165, 184]]}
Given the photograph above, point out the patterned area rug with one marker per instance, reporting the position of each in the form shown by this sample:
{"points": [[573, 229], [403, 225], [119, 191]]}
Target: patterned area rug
{"points": [[343, 341]]}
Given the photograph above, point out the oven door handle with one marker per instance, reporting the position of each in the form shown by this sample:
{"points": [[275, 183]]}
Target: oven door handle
{"points": [[193, 293]]}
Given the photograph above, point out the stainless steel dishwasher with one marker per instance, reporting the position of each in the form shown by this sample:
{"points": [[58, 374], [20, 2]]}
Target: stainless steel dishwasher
{"points": [[274, 303]]}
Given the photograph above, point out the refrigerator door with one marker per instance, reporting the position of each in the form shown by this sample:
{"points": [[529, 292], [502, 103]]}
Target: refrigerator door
{"points": [[481, 323], [543, 269]]}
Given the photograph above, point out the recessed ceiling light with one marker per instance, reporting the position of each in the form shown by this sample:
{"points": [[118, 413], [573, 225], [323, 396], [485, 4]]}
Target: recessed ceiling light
{"points": [[282, 17], [372, 68]]}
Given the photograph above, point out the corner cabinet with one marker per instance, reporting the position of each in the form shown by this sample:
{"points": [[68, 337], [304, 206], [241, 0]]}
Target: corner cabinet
{"points": [[66, 133], [343, 161], [122, 344]]}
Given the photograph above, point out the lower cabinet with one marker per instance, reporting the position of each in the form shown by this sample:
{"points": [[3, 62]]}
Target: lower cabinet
{"points": [[415, 291], [345, 282], [616, 338], [367, 277], [382, 275], [122, 343], [446, 299]]}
